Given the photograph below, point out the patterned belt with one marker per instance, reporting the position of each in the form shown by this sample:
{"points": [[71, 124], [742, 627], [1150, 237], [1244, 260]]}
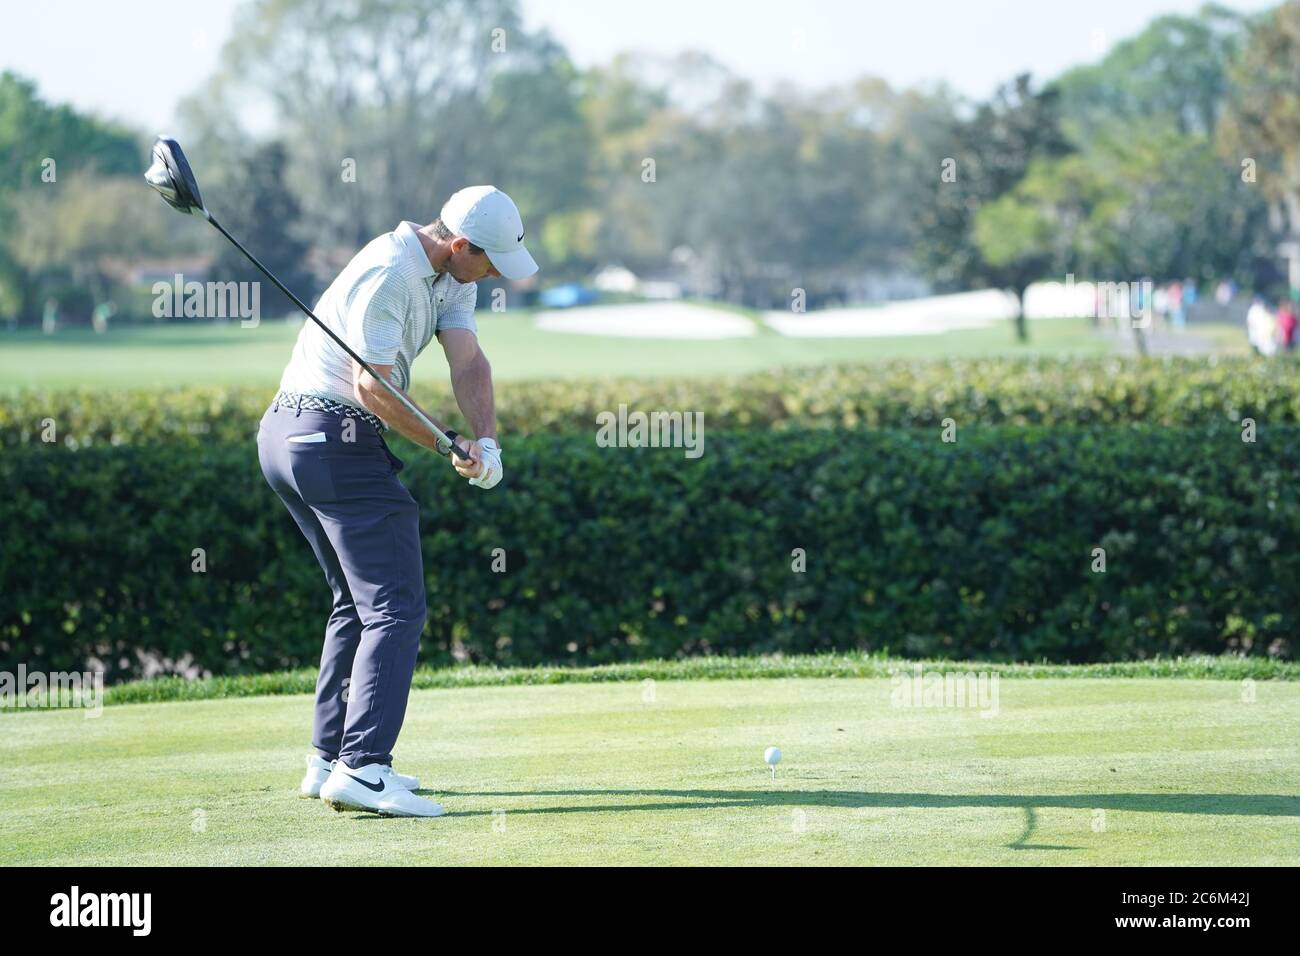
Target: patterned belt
{"points": [[317, 404]]}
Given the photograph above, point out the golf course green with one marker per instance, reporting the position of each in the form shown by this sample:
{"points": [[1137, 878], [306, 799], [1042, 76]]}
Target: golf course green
{"points": [[179, 354], [1063, 771]]}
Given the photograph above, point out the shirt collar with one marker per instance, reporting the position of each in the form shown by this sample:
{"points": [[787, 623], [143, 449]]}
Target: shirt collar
{"points": [[414, 249]]}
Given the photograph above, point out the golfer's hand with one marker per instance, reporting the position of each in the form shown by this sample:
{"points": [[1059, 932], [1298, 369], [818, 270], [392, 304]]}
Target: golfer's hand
{"points": [[484, 465]]}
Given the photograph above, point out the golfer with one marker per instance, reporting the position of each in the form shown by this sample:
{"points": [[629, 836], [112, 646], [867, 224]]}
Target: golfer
{"points": [[322, 449]]}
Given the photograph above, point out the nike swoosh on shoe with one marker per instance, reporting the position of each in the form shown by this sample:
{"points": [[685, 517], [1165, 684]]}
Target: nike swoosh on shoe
{"points": [[374, 787]]}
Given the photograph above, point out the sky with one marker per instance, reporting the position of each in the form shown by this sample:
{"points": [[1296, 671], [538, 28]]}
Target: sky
{"points": [[120, 60]]}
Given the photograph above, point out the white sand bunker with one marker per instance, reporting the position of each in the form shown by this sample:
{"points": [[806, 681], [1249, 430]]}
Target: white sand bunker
{"points": [[648, 320], [930, 316]]}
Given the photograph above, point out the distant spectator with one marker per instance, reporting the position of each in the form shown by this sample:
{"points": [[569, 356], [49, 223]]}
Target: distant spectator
{"points": [[1261, 328], [100, 316], [1177, 317], [1286, 322], [1225, 292]]}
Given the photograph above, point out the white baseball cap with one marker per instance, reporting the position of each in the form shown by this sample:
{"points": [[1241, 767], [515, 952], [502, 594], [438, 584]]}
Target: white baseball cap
{"points": [[489, 218]]}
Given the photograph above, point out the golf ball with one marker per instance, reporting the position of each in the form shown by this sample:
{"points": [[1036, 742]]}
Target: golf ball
{"points": [[772, 756]]}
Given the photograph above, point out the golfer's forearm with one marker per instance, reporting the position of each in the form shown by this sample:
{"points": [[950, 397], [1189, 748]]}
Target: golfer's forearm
{"points": [[472, 385], [387, 406]]}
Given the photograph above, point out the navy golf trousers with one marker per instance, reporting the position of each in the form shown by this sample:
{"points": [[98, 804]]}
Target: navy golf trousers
{"points": [[364, 527]]}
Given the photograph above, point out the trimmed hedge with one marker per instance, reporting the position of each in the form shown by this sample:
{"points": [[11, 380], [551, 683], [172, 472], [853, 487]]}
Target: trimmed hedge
{"points": [[892, 394], [976, 549]]}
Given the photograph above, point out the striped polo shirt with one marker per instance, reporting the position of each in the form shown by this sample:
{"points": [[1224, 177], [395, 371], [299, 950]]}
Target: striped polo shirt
{"points": [[387, 304]]}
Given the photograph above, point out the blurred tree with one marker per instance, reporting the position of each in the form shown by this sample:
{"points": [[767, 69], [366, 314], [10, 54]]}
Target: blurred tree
{"points": [[643, 212], [913, 130], [265, 213], [536, 140], [1152, 203], [1174, 72], [388, 106], [1039, 226], [893, 166], [992, 151], [1262, 120], [746, 221], [768, 193], [31, 132], [1145, 119], [73, 242]]}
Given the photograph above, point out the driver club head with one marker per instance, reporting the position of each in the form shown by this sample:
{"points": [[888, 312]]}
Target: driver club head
{"points": [[170, 174]]}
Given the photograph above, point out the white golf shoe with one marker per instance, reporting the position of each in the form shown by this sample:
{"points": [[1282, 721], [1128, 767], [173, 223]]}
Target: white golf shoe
{"points": [[318, 771], [374, 788]]}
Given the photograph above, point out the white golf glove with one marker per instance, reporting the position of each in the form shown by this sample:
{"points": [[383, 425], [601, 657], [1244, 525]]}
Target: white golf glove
{"points": [[490, 470]]}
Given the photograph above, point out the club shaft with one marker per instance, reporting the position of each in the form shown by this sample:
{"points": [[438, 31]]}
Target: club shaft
{"points": [[396, 392]]}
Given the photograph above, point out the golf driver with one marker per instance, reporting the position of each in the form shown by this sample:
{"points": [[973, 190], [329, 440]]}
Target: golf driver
{"points": [[171, 175]]}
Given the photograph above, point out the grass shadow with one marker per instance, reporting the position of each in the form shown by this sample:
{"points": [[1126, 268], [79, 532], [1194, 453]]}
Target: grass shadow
{"points": [[1031, 821], [1229, 804]]}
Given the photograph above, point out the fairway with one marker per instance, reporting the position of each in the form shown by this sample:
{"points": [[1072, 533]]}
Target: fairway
{"points": [[1069, 771], [174, 355]]}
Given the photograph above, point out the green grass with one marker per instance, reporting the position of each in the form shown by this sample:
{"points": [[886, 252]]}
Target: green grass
{"points": [[1068, 772], [303, 680], [1226, 338], [228, 354]]}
